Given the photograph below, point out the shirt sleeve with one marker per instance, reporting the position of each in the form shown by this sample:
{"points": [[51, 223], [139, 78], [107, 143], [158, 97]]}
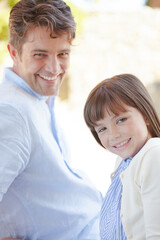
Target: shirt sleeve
{"points": [[150, 190], [14, 146]]}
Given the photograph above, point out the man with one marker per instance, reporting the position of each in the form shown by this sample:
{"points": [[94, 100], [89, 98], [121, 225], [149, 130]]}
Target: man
{"points": [[41, 197]]}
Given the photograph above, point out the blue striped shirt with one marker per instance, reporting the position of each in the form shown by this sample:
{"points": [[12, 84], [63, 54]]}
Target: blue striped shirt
{"points": [[110, 221]]}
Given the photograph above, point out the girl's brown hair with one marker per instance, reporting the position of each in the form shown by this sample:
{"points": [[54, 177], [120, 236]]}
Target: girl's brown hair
{"points": [[26, 14], [112, 93]]}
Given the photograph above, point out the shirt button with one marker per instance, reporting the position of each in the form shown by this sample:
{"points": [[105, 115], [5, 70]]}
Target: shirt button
{"points": [[121, 215], [130, 236]]}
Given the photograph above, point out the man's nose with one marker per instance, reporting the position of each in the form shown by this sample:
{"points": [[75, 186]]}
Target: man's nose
{"points": [[53, 65]]}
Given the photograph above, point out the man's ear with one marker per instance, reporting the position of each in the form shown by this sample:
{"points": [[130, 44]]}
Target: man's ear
{"points": [[13, 52]]}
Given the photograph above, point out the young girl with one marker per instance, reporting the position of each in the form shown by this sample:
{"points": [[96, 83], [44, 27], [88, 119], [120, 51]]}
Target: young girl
{"points": [[120, 114]]}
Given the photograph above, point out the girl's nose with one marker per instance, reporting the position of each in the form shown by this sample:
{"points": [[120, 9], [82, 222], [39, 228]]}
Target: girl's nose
{"points": [[114, 132]]}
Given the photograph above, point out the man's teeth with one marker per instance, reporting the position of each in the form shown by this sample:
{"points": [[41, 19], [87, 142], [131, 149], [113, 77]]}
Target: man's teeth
{"points": [[121, 144], [47, 78]]}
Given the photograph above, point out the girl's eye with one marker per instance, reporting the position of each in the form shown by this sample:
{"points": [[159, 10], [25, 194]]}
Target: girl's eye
{"points": [[102, 129], [121, 120]]}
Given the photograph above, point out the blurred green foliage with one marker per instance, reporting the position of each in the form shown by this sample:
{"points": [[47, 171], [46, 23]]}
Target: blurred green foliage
{"points": [[79, 16], [4, 24], [5, 6], [4, 16], [11, 3]]}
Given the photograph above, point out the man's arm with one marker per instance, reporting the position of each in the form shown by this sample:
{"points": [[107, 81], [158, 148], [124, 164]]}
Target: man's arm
{"points": [[14, 153], [14, 146]]}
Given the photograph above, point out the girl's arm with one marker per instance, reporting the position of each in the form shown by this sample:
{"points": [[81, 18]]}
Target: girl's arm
{"points": [[150, 192]]}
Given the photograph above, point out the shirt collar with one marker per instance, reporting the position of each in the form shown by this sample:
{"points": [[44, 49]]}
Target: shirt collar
{"points": [[10, 76], [127, 159]]}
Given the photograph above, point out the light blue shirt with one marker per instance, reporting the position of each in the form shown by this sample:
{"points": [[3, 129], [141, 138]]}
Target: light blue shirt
{"points": [[41, 197], [111, 227]]}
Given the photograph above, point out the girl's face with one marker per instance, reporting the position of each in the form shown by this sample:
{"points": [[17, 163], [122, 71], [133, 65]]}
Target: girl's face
{"points": [[123, 134]]}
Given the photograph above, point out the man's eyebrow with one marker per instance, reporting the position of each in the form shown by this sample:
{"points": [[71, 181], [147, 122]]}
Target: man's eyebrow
{"points": [[65, 50], [39, 50], [45, 51]]}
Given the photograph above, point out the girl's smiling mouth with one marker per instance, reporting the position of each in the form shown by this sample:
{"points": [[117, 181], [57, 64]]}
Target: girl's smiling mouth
{"points": [[121, 145]]}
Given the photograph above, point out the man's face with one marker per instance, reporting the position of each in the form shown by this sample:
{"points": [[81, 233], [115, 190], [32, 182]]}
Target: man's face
{"points": [[44, 61]]}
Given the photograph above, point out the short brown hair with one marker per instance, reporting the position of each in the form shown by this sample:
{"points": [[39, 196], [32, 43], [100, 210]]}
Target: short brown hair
{"points": [[54, 14], [110, 95]]}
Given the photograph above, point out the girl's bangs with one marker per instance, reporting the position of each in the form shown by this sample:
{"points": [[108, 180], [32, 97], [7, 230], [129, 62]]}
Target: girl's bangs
{"points": [[103, 103]]}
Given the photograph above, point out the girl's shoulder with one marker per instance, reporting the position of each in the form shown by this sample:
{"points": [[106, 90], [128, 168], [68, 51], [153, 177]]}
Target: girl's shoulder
{"points": [[152, 145], [149, 156], [148, 164], [150, 150]]}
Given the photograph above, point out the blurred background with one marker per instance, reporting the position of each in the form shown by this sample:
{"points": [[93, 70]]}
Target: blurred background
{"points": [[113, 37]]}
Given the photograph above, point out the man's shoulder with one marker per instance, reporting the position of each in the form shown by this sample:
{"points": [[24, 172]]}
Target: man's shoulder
{"points": [[11, 94], [16, 99]]}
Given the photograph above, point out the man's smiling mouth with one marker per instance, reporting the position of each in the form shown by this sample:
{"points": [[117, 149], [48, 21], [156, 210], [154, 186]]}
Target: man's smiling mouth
{"points": [[48, 78]]}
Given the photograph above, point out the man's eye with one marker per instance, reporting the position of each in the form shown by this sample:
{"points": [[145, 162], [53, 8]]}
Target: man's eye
{"points": [[39, 55], [65, 54]]}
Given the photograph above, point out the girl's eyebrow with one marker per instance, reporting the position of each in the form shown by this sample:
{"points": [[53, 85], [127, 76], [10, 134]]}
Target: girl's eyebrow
{"points": [[99, 123]]}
